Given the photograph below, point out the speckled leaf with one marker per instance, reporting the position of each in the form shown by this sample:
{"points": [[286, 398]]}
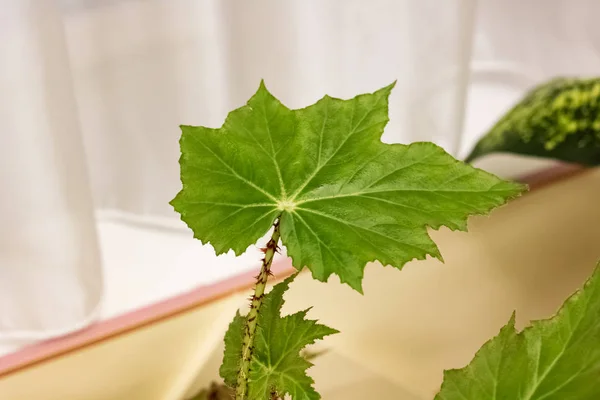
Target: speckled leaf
{"points": [[559, 119], [553, 359], [277, 364], [344, 197]]}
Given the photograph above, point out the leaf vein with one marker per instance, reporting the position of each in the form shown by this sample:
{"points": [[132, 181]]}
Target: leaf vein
{"points": [[235, 173], [352, 132], [344, 222]]}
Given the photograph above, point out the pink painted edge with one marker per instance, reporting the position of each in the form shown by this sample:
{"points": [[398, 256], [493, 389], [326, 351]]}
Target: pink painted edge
{"points": [[552, 174], [104, 330]]}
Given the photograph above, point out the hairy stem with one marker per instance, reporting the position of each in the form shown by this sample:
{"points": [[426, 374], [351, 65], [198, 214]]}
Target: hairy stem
{"points": [[241, 390], [274, 395]]}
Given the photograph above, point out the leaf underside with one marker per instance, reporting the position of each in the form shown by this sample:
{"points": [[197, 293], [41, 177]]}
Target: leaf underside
{"points": [[553, 359], [277, 364], [559, 119], [344, 197]]}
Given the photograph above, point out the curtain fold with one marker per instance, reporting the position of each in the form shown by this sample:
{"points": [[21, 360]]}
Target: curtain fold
{"points": [[50, 271]]}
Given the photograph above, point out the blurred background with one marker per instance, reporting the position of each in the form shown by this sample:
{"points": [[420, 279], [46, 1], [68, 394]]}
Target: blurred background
{"points": [[92, 93]]}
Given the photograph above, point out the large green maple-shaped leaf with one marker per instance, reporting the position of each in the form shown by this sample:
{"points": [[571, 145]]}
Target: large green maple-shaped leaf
{"points": [[553, 359], [344, 197], [558, 119], [277, 365]]}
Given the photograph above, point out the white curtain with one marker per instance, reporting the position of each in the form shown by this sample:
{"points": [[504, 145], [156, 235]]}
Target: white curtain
{"points": [[92, 93]]}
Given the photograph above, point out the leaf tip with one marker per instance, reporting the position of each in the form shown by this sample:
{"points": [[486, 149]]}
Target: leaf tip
{"points": [[186, 128], [174, 201], [439, 257], [386, 90], [513, 319], [356, 286], [262, 89], [512, 190]]}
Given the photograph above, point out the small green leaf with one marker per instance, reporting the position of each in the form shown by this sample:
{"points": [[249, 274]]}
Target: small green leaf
{"points": [[559, 119], [233, 351], [553, 359], [277, 364], [344, 197]]}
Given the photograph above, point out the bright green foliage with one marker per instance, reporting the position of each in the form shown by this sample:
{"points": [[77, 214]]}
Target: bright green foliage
{"points": [[559, 119], [344, 197], [277, 365], [553, 359], [233, 350]]}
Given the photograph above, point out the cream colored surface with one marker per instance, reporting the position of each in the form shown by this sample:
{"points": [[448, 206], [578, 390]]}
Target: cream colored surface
{"points": [[150, 364], [411, 325], [396, 339]]}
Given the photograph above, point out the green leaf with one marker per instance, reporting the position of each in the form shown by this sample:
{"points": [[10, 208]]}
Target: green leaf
{"points": [[344, 197], [559, 119], [277, 364], [233, 350], [553, 359]]}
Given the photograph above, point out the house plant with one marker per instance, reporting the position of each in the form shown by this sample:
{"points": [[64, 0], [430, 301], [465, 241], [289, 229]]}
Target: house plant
{"points": [[320, 180]]}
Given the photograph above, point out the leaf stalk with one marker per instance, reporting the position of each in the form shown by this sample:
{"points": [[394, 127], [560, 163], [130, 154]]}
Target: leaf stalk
{"points": [[241, 391]]}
